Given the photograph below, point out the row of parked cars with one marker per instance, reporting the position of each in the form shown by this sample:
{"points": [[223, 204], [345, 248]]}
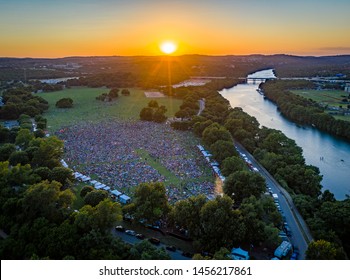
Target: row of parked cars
{"points": [[248, 162], [152, 240], [130, 232]]}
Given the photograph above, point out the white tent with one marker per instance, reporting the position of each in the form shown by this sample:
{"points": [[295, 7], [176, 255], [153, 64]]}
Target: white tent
{"points": [[124, 199], [116, 193]]}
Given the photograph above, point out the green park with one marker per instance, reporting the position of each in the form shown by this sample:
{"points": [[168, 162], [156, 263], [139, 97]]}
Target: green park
{"points": [[328, 99], [87, 108]]}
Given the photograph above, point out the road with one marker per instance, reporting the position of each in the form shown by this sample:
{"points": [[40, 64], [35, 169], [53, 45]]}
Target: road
{"points": [[301, 235], [177, 255], [201, 106]]}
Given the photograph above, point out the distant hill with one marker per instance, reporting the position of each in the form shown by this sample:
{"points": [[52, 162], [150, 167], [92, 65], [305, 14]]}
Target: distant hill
{"points": [[182, 66]]}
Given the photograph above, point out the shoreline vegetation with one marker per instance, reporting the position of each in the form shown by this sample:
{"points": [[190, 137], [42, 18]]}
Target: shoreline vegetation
{"points": [[302, 110]]}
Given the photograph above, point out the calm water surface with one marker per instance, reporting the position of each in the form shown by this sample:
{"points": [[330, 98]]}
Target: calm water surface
{"points": [[335, 166]]}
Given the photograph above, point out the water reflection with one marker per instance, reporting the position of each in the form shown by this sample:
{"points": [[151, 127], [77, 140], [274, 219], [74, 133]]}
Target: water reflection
{"points": [[330, 154]]}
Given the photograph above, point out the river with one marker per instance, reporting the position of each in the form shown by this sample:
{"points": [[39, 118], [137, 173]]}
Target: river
{"points": [[330, 154]]}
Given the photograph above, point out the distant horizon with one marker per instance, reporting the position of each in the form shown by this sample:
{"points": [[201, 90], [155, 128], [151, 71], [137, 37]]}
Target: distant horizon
{"points": [[180, 55], [57, 29]]}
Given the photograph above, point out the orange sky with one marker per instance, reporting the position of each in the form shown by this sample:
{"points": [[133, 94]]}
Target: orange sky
{"points": [[39, 28]]}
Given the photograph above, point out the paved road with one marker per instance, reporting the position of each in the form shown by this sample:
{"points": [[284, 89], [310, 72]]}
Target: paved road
{"points": [[301, 235], [177, 255], [201, 106]]}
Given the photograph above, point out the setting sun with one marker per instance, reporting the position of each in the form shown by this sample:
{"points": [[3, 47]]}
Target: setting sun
{"points": [[168, 47]]}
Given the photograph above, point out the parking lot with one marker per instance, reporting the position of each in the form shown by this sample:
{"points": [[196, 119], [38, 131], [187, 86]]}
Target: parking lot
{"points": [[156, 238]]}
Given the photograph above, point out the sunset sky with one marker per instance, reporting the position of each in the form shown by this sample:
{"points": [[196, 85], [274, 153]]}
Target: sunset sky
{"points": [[58, 28]]}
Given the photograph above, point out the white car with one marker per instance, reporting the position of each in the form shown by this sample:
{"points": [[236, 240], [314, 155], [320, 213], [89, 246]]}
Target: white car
{"points": [[130, 232]]}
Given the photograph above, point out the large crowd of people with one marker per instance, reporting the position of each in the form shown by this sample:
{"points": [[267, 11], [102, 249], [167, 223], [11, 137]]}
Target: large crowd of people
{"points": [[110, 151]]}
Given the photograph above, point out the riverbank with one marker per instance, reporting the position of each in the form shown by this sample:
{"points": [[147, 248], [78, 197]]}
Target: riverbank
{"points": [[315, 144]]}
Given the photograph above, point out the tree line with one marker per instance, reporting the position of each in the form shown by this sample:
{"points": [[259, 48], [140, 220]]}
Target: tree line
{"points": [[214, 225], [20, 101], [302, 110]]}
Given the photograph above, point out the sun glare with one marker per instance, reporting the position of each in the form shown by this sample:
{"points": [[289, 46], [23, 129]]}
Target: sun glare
{"points": [[168, 47]]}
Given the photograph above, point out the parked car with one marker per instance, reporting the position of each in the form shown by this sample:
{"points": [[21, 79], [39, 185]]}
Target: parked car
{"points": [[140, 236], [171, 248], [287, 230], [120, 228], [154, 241], [130, 232]]}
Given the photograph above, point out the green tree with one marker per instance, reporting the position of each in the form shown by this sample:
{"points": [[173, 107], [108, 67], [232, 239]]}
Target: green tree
{"points": [[222, 149], [19, 157], [153, 104], [49, 152], [302, 179], [146, 114], [221, 226], [215, 132], [39, 133], [85, 190], [95, 197], [18, 176], [41, 122], [65, 103], [100, 218], [125, 92], [199, 257], [321, 250], [62, 174], [222, 254], [4, 134], [186, 214], [113, 93], [43, 172], [253, 212], [243, 184], [159, 114], [46, 200], [271, 240], [200, 126], [6, 150], [231, 165], [23, 138], [146, 251], [151, 202]]}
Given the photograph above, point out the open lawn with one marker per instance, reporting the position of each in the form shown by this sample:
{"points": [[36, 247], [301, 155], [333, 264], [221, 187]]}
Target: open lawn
{"points": [[87, 108], [325, 96], [79, 201], [332, 98], [170, 177]]}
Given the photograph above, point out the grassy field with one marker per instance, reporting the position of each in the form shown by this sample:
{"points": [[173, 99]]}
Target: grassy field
{"points": [[79, 201], [332, 98], [170, 177], [87, 108]]}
